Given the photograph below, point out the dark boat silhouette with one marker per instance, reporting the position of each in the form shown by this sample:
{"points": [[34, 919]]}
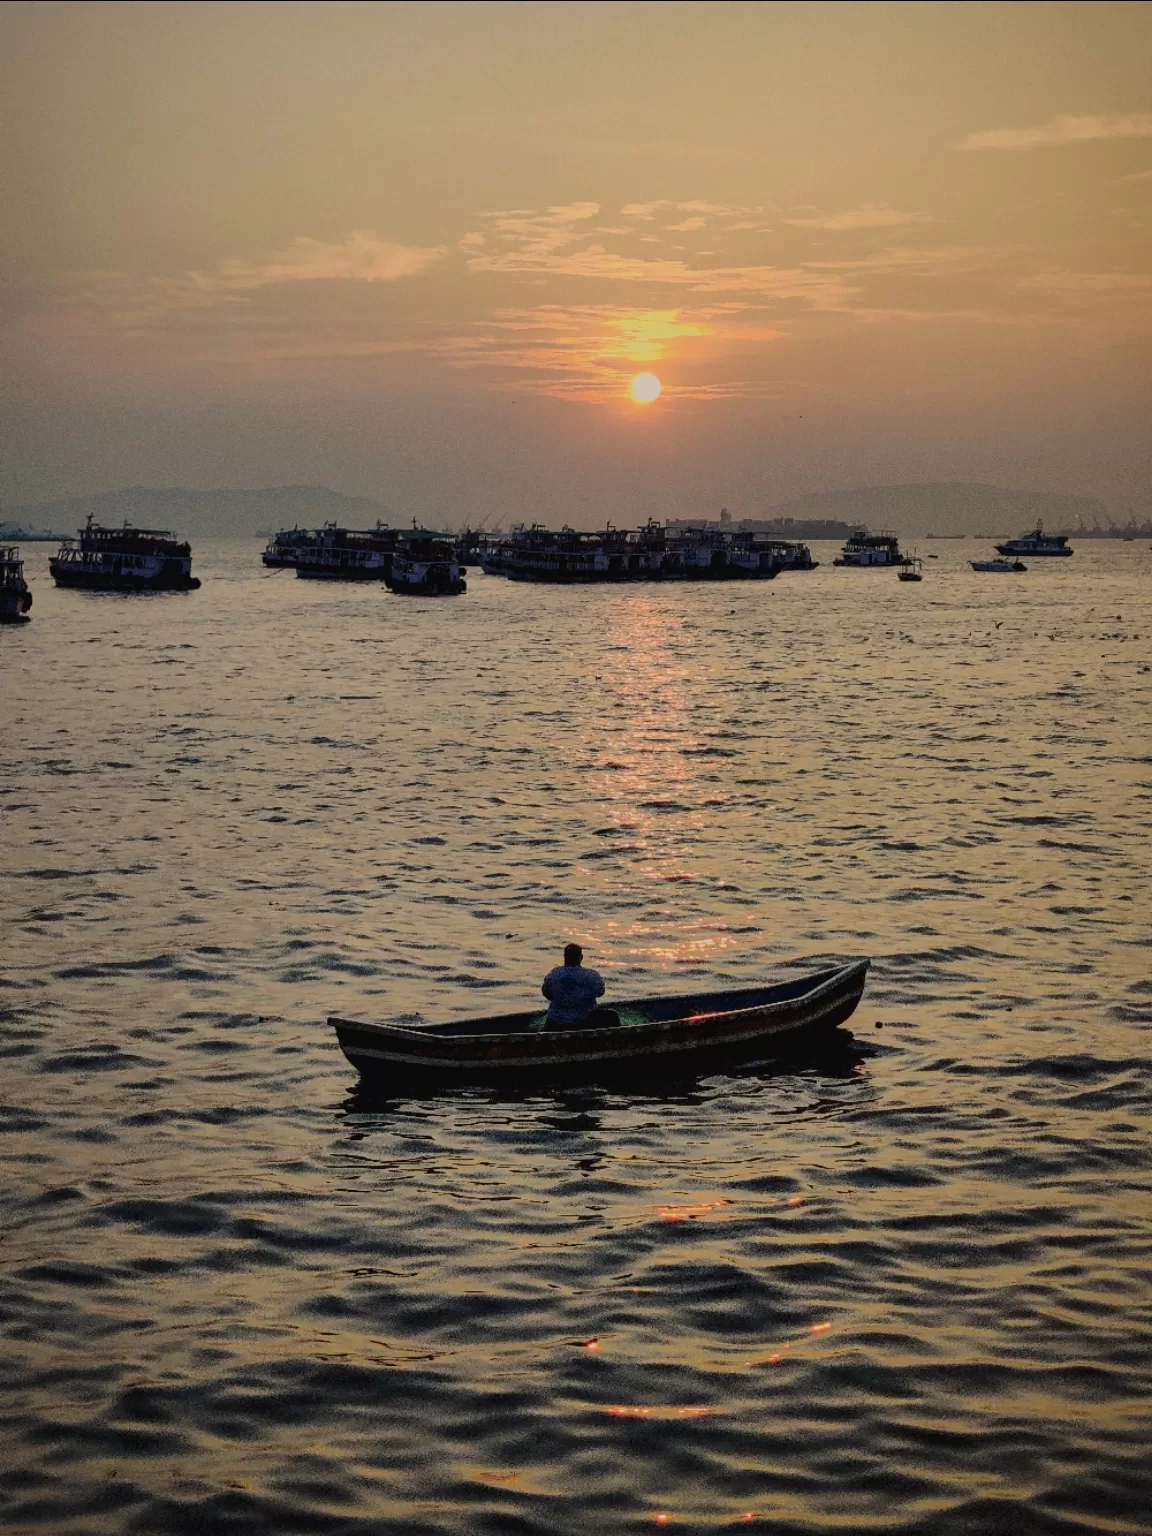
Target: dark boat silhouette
{"points": [[656, 1033]]}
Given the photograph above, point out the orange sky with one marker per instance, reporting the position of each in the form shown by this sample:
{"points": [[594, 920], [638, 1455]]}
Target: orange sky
{"points": [[419, 251]]}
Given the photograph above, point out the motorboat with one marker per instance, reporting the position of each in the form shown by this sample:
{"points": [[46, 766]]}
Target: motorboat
{"points": [[1036, 543], [1002, 566]]}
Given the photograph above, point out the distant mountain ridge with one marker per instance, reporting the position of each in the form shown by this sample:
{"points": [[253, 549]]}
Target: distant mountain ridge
{"points": [[940, 507], [195, 512]]}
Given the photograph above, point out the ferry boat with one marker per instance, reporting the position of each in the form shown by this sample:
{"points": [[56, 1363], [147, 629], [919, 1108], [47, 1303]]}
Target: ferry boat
{"points": [[426, 567], [864, 549], [654, 552], [284, 548], [1036, 543], [1003, 567], [15, 598], [347, 554], [124, 559]]}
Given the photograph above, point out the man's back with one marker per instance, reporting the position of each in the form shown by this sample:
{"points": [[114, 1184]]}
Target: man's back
{"points": [[572, 991]]}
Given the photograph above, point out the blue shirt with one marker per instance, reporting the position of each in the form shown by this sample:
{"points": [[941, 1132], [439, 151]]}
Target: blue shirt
{"points": [[572, 991]]}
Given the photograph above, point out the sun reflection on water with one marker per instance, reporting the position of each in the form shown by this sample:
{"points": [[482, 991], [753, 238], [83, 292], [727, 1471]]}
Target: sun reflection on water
{"points": [[650, 791]]}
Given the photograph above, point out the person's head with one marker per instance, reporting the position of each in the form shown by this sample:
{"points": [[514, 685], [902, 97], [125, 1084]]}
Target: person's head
{"points": [[573, 954]]}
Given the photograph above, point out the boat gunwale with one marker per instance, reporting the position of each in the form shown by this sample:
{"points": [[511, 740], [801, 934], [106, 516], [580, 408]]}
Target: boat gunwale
{"points": [[838, 979]]}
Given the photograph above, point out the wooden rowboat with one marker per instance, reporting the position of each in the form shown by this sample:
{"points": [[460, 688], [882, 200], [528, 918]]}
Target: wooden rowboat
{"points": [[670, 1033]]}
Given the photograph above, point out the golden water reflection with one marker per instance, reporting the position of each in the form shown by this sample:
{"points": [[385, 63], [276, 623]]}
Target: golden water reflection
{"points": [[650, 791]]}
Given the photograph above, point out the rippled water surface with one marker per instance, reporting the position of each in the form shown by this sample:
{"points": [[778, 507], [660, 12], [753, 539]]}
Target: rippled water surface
{"points": [[905, 1288]]}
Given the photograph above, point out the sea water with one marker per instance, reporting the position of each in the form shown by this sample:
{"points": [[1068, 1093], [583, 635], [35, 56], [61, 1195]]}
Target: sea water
{"points": [[903, 1289]]}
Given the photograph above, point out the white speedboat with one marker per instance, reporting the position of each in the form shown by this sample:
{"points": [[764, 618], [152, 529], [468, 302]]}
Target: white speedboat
{"points": [[1005, 567]]}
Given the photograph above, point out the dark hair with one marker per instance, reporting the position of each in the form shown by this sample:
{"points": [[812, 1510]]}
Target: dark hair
{"points": [[573, 954]]}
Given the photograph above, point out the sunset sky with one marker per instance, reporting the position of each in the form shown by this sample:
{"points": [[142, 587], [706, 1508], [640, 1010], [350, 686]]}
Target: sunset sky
{"points": [[419, 252]]}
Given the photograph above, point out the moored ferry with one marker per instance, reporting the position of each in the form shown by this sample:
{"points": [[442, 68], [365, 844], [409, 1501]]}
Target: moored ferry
{"points": [[654, 552], [1036, 543], [864, 549], [15, 598], [347, 554], [284, 548], [124, 559], [426, 566]]}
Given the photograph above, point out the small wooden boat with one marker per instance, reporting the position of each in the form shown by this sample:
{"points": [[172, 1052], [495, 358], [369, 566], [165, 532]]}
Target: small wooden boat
{"points": [[689, 1033], [912, 570]]}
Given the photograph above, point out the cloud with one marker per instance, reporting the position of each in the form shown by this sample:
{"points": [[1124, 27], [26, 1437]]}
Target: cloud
{"points": [[1055, 280], [93, 301], [664, 204], [1065, 129], [868, 216], [594, 262], [561, 242], [361, 256], [588, 352]]}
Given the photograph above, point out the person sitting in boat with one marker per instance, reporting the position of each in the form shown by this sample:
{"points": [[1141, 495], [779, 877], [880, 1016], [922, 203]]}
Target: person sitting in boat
{"points": [[572, 990]]}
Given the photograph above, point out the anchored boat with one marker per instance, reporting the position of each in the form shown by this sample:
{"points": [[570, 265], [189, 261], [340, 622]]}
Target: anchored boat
{"points": [[284, 549], [124, 559], [1036, 543], [1003, 567], [865, 550], [347, 554], [654, 552], [685, 1033], [425, 566], [15, 598]]}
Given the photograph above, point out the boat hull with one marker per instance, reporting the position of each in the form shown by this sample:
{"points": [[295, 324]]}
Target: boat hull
{"points": [[757, 1022], [14, 605], [1014, 547], [429, 589], [103, 581], [343, 572]]}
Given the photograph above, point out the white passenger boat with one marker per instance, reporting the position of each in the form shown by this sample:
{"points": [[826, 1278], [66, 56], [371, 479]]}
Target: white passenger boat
{"points": [[1036, 543], [124, 559]]}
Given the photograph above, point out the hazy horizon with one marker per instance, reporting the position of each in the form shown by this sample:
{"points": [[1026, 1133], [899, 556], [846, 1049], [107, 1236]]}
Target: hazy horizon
{"points": [[418, 253]]}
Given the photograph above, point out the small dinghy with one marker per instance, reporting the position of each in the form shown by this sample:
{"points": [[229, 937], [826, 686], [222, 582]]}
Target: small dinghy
{"points": [[704, 1030]]}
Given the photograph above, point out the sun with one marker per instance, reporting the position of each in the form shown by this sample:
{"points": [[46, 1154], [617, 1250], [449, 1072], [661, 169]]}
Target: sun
{"points": [[645, 388]]}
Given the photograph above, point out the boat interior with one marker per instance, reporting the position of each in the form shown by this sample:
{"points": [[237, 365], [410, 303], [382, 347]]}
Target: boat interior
{"points": [[647, 1010]]}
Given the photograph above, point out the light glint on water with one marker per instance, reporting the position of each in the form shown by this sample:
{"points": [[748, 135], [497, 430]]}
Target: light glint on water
{"points": [[902, 1288]]}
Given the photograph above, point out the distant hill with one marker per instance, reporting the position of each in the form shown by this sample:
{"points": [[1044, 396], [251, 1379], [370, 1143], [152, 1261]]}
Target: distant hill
{"points": [[945, 507], [935, 507], [206, 512]]}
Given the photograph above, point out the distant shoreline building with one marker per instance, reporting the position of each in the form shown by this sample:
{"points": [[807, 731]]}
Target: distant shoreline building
{"points": [[783, 527]]}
